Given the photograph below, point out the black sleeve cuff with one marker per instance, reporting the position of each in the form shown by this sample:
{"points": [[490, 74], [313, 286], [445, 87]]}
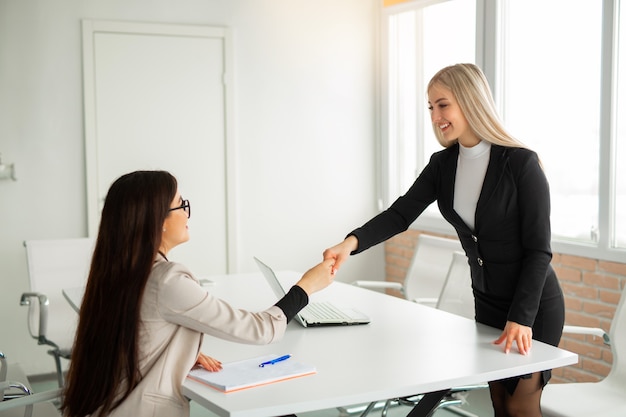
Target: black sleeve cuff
{"points": [[294, 301], [354, 233]]}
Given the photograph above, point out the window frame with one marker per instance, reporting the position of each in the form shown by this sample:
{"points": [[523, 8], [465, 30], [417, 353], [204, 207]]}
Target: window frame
{"points": [[489, 17]]}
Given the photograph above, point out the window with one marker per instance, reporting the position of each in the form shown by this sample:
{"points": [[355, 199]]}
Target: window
{"points": [[559, 84], [620, 146], [551, 101], [417, 47]]}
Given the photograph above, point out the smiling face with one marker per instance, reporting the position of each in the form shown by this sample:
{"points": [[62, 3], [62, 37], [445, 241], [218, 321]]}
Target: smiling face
{"points": [[446, 115]]}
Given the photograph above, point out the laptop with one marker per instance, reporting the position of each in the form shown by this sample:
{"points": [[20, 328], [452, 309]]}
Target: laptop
{"points": [[315, 314]]}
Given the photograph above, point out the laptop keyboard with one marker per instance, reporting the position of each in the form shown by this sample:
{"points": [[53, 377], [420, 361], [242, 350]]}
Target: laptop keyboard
{"points": [[324, 311]]}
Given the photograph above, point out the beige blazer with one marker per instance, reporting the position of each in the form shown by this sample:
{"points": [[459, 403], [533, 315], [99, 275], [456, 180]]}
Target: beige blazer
{"points": [[175, 313]]}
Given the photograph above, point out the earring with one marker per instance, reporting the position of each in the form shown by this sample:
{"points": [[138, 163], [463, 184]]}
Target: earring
{"points": [[164, 229]]}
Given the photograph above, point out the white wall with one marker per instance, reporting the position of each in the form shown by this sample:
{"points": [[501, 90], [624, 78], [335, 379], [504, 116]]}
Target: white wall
{"points": [[305, 116]]}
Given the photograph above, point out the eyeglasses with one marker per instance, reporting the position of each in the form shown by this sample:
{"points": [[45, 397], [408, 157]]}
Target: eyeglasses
{"points": [[186, 205]]}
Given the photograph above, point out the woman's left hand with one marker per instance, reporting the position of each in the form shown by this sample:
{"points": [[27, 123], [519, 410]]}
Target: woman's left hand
{"points": [[522, 335], [209, 363]]}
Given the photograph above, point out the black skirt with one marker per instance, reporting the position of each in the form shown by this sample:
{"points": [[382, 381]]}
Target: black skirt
{"points": [[547, 328]]}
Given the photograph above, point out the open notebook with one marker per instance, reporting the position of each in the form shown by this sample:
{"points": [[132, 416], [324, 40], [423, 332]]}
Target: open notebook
{"points": [[247, 373], [318, 313]]}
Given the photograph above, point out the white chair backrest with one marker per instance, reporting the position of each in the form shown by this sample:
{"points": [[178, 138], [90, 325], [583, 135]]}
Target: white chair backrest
{"points": [[55, 264], [429, 266], [618, 342], [456, 295]]}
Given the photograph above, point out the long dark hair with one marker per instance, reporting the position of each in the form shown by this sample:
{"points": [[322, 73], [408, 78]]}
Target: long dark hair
{"points": [[104, 366]]}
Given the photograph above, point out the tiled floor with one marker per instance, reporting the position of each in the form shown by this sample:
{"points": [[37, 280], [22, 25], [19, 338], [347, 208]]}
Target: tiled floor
{"points": [[477, 404]]}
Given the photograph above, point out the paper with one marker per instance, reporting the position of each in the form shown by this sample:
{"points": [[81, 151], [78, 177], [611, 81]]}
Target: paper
{"points": [[244, 374]]}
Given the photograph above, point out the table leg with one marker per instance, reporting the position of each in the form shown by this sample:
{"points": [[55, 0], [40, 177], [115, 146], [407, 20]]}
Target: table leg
{"points": [[428, 404]]}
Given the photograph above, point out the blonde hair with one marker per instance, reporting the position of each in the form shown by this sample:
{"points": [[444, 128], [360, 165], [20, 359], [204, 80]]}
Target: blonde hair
{"points": [[469, 86]]}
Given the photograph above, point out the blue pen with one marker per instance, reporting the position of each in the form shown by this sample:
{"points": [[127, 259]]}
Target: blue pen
{"points": [[273, 361]]}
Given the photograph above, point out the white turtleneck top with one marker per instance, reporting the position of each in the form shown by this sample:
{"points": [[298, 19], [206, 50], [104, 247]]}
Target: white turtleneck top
{"points": [[470, 174]]}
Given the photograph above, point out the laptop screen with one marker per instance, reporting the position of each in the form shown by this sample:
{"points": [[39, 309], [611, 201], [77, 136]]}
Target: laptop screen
{"points": [[271, 278]]}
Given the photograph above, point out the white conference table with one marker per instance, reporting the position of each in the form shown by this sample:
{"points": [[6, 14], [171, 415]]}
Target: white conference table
{"points": [[407, 349]]}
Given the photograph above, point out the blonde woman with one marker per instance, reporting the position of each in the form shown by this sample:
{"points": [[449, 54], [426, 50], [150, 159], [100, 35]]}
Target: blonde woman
{"points": [[493, 191]]}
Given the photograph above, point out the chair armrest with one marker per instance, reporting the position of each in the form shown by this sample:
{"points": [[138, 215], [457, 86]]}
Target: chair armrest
{"points": [[29, 400], [379, 285], [431, 302], [8, 385], [25, 300], [5, 385], [465, 388], [593, 331]]}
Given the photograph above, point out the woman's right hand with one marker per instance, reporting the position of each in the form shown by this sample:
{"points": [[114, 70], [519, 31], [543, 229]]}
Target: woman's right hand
{"points": [[318, 277], [341, 251], [208, 363]]}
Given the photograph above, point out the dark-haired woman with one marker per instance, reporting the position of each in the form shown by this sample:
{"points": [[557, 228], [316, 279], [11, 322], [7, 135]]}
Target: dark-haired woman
{"points": [[142, 317]]}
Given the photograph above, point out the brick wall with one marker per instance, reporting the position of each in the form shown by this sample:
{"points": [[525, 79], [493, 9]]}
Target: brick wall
{"points": [[592, 290]]}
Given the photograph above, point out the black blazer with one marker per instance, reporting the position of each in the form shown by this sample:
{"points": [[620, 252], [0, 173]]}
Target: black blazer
{"points": [[509, 250]]}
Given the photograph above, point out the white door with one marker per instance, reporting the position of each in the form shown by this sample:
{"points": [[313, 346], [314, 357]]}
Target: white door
{"points": [[156, 98]]}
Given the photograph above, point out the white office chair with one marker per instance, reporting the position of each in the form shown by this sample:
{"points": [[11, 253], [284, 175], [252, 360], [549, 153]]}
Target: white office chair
{"points": [[52, 266], [605, 398], [16, 397], [426, 273], [456, 296]]}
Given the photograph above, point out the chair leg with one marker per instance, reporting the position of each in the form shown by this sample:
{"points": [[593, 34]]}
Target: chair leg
{"points": [[57, 362], [383, 413], [369, 408]]}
